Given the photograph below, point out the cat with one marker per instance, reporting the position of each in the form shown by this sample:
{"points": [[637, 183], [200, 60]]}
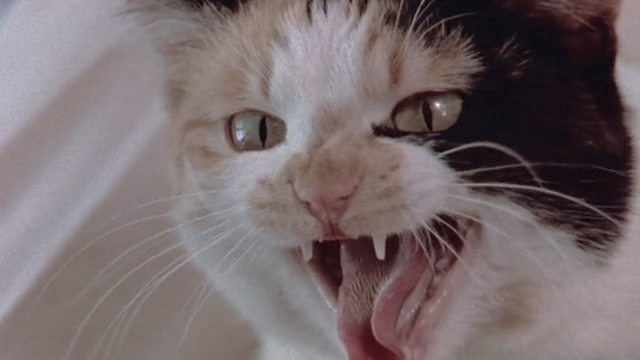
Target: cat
{"points": [[407, 179]]}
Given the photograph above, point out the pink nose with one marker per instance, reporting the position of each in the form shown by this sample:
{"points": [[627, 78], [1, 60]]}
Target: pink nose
{"points": [[328, 203]]}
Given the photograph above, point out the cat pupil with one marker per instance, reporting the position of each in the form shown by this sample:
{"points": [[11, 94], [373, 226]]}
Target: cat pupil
{"points": [[427, 115], [263, 131]]}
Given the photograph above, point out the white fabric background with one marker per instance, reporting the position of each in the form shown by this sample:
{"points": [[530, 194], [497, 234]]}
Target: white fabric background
{"points": [[81, 142]]}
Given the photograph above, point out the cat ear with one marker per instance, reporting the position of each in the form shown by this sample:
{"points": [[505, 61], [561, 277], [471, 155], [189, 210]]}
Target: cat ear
{"points": [[584, 29], [178, 29]]}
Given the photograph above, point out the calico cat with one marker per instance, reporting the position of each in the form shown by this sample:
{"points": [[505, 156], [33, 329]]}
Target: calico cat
{"points": [[407, 179]]}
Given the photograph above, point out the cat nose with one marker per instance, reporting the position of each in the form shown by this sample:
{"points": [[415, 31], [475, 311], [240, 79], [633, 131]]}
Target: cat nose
{"points": [[328, 202]]}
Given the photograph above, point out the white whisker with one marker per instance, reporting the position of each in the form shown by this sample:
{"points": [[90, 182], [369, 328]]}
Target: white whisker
{"points": [[414, 20], [170, 270], [503, 149], [234, 248], [422, 245], [444, 243], [398, 15], [546, 192], [540, 264], [443, 22], [199, 304], [84, 322], [456, 231], [520, 217], [145, 241], [248, 250]]}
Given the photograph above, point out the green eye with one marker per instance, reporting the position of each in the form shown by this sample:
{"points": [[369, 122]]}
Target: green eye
{"points": [[428, 113], [254, 131]]}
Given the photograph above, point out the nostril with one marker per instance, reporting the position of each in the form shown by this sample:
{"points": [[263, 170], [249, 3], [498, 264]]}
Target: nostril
{"points": [[327, 201], [338, 203], [309, 205]]}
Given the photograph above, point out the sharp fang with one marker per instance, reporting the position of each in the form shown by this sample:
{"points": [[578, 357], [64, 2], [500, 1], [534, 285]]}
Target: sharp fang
{"points": [[380, 245], [307, 251]]}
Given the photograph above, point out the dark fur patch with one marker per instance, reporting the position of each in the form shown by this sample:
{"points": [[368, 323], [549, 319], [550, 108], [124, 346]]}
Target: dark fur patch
{"points": [[232, 5], [548, 93]]}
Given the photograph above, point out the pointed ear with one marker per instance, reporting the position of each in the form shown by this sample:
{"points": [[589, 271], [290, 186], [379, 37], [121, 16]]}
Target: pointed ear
{"points": [[177, 29], [172, 24], [585, 29]]}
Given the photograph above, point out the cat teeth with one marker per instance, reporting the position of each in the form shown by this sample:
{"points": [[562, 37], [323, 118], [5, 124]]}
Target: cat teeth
{"points": [[307, 251], [380, 245]]}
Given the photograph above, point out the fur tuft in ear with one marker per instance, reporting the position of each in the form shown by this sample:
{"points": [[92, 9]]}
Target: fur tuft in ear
{"points": [[585, 29]]}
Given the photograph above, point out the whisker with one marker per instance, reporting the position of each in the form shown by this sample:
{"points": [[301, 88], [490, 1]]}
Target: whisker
{"points": [[156, 202], [488, 169], [444, 21], [543, 191], [199, 289], [84, 322], [545, 164], [91, 243], [500, 231], [456, 231], [172, 268], [520, 217], [529, 254], [398, 15], [248, 250], [202, 300], [234, 248], [262, 246], [422, 245], [414, 20], [427, 253], [503, 149], [145, 241], [443, 242]]}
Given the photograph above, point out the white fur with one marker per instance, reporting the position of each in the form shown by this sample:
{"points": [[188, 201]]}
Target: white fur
{"points": [[578, 311]]}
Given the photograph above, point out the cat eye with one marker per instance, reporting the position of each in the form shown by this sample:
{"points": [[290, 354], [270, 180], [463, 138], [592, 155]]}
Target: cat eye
{"points": [[255, 131], [436, 112]]}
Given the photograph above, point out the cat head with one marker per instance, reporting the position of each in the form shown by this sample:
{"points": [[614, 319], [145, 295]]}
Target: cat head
{"points": [[490, 129]]}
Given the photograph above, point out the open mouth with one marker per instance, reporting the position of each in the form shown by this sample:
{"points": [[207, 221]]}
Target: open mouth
{"points": [[389, 292]]}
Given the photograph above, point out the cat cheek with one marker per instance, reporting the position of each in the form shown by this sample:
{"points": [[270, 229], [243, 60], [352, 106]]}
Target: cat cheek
{"points": [[203, 151], [273, 207], [426, 181]]}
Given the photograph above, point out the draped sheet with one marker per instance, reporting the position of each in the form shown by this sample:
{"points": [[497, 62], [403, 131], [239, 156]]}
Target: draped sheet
{"points": [[82, 175]]}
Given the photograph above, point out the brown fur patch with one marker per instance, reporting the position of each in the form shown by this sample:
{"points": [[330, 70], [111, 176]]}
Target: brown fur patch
{"points": [[396, 66], [196, 144], [516, 311], [371, 43]]}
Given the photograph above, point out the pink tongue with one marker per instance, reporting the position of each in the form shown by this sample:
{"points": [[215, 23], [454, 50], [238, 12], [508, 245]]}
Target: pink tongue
{"points": [[365, 336]]}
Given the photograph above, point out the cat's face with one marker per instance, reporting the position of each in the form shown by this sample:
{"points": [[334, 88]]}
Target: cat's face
{"points": [[480, 143]]}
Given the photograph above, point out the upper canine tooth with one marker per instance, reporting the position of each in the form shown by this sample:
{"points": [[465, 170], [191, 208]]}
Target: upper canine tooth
{"points": [[380, 245], [307, 250]]}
